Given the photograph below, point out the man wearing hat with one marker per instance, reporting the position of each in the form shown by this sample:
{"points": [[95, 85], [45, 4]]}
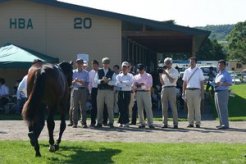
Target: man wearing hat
{"points": [[142, 84], [124, 82], [79, 93], [168, 79], [105, 78]]}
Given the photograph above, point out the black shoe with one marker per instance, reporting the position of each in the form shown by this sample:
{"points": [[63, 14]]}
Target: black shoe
{"points": [[151, 127], [133, 123], [92, 125], [111, 126], [84, 126], [99, 126], [190, 126], [197, 126], [175, 127], [70, 124], [141, 126], [74, 126], [164, 126]]}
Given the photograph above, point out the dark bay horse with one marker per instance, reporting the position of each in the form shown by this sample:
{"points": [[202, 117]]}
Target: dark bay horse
{"points": [[48, 90]]}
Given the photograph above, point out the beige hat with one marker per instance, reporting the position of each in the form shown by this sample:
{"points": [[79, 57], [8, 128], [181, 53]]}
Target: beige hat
{"points": [[105, 60]]}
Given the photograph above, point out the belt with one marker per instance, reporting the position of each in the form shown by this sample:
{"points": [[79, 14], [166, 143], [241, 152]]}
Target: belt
{"points": [[192, 88], [169, 86], [82, 87], [219, 90], [142, 90], [125, 91]]}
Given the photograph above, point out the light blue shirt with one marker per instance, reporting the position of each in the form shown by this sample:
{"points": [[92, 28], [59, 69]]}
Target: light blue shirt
{"points": [[80, 75], [124, 82], [223, 76]]}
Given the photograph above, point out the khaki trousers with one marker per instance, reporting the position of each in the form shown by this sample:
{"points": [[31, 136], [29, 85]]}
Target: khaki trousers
{"points": [[144, 103], [168, 97], [193, 98], [105, 96]]}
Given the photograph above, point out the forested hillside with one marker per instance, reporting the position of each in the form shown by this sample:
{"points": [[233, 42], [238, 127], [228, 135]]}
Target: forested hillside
{"points": [[218, 32]]}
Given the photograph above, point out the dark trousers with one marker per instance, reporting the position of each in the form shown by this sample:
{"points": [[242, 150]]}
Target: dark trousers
{"points": [[134, 113], [94, 105], [105, 115], [123, 104]]}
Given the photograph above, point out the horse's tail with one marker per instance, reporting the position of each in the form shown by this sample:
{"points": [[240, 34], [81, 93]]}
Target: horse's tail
{"points": [[30, 111]]}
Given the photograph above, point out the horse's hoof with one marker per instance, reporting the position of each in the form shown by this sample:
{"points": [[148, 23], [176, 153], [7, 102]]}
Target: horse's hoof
{"points": [[56, 147], [52, 148], [38, 155]]}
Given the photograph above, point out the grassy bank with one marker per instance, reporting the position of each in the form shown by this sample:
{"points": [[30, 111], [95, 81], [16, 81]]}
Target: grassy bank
{"points": [[114, 152]]}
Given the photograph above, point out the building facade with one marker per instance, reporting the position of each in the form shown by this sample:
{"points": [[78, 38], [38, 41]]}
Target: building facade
{"points": [[62, 30]]}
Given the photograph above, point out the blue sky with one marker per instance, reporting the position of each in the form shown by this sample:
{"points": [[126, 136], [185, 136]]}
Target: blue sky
{"points": [[184, 12]]}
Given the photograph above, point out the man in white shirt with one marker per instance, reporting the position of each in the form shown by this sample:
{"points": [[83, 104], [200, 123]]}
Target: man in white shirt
{"points": [[124, 82], [21, 94], [93, 91], [193, 91], [168, 79]]}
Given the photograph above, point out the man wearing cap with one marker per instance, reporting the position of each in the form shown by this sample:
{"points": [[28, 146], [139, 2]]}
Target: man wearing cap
{"points": [[124, 82], [105, 78], [79, 93], [142, 84], [193, 91], [222, 82]]}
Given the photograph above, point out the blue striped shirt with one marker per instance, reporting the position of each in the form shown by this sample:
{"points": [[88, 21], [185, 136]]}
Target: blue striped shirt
{"points": [[80, 75]]}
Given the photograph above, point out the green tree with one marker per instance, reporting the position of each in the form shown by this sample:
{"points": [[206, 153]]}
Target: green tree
{"points": [[211, 50], [237, 42]]}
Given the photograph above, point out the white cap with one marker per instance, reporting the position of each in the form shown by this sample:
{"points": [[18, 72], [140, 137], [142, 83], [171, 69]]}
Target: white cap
{"points": [[124, 63]]}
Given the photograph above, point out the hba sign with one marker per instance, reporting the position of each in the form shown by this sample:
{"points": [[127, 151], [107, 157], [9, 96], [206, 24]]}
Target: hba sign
{"points": [[26, 23], [20, 23]]}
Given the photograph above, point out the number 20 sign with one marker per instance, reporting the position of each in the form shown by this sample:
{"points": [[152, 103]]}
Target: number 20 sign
{"points": [[82, 23]]}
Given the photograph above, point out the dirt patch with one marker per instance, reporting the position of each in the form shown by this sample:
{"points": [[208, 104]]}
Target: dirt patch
{"points": [[17, 130]]}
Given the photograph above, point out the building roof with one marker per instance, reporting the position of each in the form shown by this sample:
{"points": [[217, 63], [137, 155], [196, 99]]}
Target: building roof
{"points": [[162, 25]]}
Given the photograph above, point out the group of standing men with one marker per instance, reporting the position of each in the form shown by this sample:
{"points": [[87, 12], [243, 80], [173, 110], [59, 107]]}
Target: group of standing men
{"points": [[102, 84]]}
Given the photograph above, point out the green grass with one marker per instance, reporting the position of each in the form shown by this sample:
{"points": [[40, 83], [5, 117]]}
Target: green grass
{"points": [[114, 152]]}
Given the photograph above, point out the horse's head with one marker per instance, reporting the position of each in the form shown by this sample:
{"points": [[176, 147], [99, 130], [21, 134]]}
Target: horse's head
{"points": [[67, 69]]}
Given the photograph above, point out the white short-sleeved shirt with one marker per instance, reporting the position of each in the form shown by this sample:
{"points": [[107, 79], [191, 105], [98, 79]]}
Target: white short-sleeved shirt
{"points": [[173, 73], [195, 81]]}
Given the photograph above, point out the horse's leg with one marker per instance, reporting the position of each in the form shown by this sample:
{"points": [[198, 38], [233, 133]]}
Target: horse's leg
{"points": [[51, 126], [62, 128], [35, 130]]}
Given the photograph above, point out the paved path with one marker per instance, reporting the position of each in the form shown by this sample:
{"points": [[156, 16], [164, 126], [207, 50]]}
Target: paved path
{"points": [[17, 130]]}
